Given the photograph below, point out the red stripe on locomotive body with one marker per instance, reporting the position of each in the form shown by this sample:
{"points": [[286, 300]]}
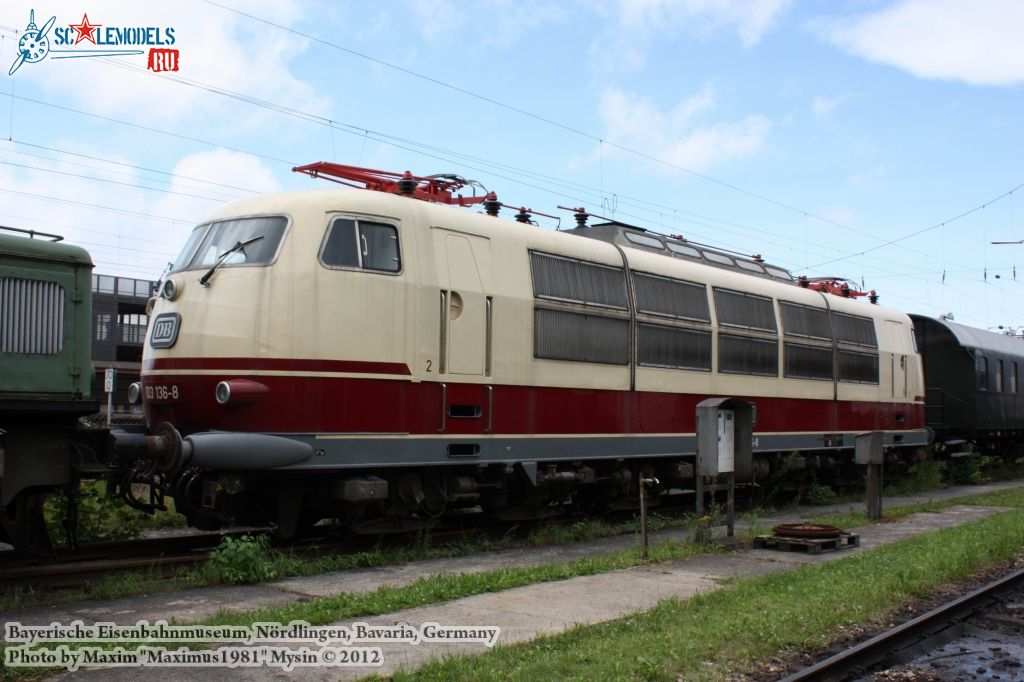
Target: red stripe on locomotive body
{"points": [[297, 404], [277, 365]]}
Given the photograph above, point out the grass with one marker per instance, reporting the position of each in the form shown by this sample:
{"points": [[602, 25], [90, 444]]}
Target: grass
{"points": [[709, 637], [853, 518], [431, 589], [437, 588], [281, 565], [272, 564], [101, 517], [703, 637]]}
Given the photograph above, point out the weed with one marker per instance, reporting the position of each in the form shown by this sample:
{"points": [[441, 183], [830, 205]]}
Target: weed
{"points": [[819, 495], [964, 470], [101, 517], [921, 476], [248, 559]]}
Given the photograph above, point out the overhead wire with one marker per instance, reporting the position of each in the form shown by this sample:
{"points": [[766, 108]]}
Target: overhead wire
{"points": [[601, 193], [549, 121]]}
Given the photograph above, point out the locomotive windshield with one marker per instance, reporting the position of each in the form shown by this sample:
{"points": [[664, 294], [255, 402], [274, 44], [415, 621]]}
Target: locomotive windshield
{"points": [[208, 242]]}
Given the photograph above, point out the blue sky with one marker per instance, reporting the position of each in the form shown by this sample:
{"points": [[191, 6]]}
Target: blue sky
{"points": [[813, 133]]}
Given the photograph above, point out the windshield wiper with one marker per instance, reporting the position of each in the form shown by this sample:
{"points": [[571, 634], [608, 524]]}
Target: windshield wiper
{"points": [[205, 279]]}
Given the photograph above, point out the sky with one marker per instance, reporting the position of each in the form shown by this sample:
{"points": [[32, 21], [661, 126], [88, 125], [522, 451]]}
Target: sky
{"points": [[877, 141]]}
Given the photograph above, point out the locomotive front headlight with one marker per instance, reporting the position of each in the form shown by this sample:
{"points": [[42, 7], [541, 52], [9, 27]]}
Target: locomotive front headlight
{"points": [[134, 393], [170, 289], [223, 392]]}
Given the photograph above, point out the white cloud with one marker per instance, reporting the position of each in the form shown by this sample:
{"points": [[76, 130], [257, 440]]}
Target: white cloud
{"points": [[216, 47], [749, 19], [823, 106], [241, 170], [493, 23], [139, 230], [674, 136], [634, 23], [975, 42]]}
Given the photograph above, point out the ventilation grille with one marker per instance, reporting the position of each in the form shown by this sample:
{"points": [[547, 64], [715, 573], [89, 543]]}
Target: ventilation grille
{"points": [[737, 309], [671, 297], [675, 347], [747, 355], [801, 320], [31, 316], [855, 329], [562, 335], [568, 279]]}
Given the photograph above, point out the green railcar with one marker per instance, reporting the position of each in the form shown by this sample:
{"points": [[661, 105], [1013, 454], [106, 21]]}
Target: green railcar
{"points": [[45, 374]]}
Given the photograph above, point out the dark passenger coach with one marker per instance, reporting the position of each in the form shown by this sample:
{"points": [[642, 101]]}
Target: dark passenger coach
{"points": [[973, 379]]}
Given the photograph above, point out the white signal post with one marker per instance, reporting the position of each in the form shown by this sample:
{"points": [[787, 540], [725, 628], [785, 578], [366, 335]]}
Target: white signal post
{"points": [[109, 382]]}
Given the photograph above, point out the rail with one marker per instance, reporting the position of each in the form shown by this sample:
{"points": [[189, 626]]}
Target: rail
{"points": [[906, 640]]}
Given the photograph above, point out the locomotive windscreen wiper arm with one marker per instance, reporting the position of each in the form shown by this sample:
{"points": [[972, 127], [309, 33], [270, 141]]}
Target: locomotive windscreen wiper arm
{"points": [[205, 279]]}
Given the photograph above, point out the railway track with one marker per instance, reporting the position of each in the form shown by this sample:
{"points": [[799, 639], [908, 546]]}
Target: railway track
{"points": [[92, 559], [163, 554], [918, 636]]}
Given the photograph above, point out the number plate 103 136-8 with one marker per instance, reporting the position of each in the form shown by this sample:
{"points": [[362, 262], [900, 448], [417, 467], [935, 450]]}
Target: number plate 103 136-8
{"points": [[162, 393]]}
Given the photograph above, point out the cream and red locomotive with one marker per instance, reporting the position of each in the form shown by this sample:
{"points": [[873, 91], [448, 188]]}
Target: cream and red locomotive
{"points": [[367, 356]]}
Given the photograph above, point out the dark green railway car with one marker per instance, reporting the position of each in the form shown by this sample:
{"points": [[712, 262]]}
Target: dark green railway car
{"points": [[45, 373], [974, 383]]}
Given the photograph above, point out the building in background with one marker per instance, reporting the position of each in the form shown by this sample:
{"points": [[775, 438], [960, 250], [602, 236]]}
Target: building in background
{"points": [[118, 332]]}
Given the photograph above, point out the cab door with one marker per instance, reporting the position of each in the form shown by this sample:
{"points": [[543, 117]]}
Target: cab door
{"points": [[464, 355], [899, 359], [465, 305]]}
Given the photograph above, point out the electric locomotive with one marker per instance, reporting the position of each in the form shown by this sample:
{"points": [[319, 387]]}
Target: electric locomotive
{"points": [[45, 376], [381, 356]]}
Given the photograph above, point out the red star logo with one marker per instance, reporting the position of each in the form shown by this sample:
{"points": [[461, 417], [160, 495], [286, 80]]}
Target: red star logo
{"points": [[85, 30]]}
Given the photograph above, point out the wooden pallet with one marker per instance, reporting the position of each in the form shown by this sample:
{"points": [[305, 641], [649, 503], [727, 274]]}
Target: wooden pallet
{"points": [[811, 546]]}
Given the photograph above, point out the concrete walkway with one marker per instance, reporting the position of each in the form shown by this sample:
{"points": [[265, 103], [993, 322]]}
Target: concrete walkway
{"points": [[522, 613]]}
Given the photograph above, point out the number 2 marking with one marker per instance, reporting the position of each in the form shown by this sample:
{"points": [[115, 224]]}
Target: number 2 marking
{"points": [[430, 363]]}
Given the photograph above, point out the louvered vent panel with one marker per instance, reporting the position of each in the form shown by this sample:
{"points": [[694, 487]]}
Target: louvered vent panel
{"points": [[31, 316]]}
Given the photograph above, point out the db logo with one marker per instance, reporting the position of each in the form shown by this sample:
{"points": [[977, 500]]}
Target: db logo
{"points": [[165, 330]]}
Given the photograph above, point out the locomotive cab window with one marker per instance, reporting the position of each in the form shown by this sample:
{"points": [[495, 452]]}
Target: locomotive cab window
{"points": [[361, 244], [241, 241]]}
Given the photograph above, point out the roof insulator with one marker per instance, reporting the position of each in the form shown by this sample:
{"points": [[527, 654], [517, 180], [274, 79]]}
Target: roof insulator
{"points": [[407, 185], [491, 204], [581, 217]]}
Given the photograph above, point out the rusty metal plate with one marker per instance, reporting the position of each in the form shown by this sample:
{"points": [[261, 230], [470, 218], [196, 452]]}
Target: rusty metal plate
{"points": [[807, 530]]}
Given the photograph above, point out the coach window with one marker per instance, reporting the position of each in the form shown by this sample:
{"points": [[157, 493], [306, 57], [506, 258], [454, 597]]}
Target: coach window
{"points": [[361, 244], [999, 376], [1013, 377], [983, 373]]}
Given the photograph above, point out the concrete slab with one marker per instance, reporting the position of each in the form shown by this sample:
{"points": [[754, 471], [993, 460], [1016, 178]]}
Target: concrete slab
{"points": [[181, 606]]}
